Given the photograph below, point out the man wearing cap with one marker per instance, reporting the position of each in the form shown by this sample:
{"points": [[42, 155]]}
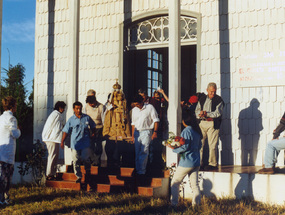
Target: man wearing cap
{"points": [[209, 112], [91, 92]]}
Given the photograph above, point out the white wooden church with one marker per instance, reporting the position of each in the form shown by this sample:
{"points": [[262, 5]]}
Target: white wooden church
{"points": [[180, 46]]}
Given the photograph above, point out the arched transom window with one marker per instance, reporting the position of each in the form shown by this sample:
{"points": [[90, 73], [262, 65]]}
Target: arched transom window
{"points": [[155, 31]]}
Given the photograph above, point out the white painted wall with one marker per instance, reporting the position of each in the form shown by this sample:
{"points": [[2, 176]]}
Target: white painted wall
{"points": [[254, 26]]}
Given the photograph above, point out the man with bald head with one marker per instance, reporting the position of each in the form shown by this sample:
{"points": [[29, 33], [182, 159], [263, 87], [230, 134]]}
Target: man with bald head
{"points": [[209, 112]]}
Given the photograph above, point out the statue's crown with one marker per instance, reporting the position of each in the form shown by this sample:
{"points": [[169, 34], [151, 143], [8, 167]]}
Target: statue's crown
{"points": [[117, 86]]}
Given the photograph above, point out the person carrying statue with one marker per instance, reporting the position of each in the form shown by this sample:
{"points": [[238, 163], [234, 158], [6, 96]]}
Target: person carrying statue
{"points": [[94, 109], [116, 130]]}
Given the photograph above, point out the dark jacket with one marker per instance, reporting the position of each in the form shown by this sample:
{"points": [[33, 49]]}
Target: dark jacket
{"points": [[215, 101], [280, 128]]}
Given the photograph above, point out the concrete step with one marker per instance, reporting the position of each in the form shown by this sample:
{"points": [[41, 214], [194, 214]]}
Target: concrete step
{"points": [[239, 184]]}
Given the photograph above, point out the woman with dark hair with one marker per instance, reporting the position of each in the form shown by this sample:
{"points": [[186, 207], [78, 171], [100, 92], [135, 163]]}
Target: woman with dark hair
{"points": [[9, 132], [189, 161], [52, 134]]}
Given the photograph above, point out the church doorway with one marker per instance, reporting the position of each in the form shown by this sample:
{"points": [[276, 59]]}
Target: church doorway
{"points": [[147, 69]]}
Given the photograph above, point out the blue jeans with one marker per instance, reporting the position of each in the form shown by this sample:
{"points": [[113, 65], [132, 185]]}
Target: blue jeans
{"points": [[78, 156], [142, 141], [272, 150]]}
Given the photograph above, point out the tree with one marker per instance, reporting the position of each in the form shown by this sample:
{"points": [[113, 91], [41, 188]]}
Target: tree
{"points": [[14, 86]]}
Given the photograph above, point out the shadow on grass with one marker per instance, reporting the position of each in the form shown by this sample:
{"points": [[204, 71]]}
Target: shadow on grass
{"points": [[115, 203], [44, 197]]}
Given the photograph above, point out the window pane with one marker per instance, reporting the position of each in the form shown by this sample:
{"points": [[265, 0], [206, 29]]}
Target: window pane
{"points": [[155, 75], [154, 84], [149, 74], [154, 55], [160, 66], [145, 35], [149, 53], [149, 83], [149, 92], [154, 64], [149, 62], [157, 34]]}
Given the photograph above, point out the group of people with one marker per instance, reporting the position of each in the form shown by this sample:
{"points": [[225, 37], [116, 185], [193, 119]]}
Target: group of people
{"points": [[95, 122], [148, 125], [142, 126]]}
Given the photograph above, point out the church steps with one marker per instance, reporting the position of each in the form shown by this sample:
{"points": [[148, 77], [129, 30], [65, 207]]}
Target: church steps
{"points": [[104, 180]]}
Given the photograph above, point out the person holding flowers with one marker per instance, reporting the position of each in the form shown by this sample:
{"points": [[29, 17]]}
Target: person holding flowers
{"points": [[189, 163]]}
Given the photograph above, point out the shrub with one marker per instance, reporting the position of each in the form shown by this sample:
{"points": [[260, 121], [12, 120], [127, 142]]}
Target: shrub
{"points": [[35, 163]]}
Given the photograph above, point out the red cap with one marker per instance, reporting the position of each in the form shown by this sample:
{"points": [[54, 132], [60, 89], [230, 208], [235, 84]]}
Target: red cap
{"points": [[193, 99]]}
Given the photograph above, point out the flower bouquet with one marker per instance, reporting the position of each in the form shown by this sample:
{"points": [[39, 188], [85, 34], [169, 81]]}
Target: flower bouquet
{"points": [[173, 141]]}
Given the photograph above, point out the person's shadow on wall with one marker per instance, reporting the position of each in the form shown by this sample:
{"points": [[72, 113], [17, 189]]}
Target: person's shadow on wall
{"points": [[244, 186], [250, 125]]}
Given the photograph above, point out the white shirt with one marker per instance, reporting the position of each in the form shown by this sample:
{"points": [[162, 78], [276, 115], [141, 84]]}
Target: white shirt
{"points": [[52, 131], [144, 119], [9, 132], [208, 108], [96, 113]]}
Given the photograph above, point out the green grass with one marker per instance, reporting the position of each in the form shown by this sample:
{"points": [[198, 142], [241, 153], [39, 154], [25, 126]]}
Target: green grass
{"points": [[41, 200]]}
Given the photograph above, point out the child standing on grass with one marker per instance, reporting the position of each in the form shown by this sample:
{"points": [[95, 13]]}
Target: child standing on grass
{"points": [[190, 160]]}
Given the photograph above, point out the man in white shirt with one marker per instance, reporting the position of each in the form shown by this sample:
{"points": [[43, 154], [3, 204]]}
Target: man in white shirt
{"points": [[145, 123]]}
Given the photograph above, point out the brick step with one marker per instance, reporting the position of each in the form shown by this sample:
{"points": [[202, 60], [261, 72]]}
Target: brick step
{"points": [[159, 188], [156, 182], [166, 173], [68, 185], [93, 169], [126, 172], [107, 188], [106, 180], [148, 191], [69, 176], [113, 180]]}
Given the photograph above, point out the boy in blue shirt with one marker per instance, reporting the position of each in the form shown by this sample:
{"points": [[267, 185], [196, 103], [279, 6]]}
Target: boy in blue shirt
{"points": [[79, 126]]}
